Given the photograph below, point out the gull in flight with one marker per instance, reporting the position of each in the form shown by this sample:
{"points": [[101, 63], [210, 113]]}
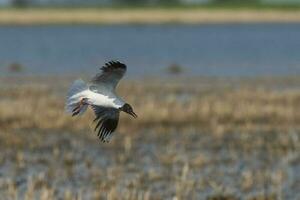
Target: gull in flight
{"points": [[100, 95]]}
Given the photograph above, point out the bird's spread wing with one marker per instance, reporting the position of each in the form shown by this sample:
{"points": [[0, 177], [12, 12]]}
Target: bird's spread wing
{"points": [[110, 75], [107, 121]]}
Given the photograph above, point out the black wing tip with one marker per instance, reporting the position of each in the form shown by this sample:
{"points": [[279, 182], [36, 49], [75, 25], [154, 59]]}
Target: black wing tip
{"points": [[105, 128], [113, 64]]}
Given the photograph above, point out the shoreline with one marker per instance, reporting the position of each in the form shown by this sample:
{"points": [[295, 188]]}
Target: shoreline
{"points": [[49, 16]]}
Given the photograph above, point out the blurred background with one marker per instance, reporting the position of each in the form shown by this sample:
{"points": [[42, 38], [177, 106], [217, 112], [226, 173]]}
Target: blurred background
{"points": [[215, 84]]}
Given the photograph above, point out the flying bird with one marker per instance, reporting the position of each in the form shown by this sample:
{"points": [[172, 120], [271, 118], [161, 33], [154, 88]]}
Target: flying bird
{"points": [[100, 95]]}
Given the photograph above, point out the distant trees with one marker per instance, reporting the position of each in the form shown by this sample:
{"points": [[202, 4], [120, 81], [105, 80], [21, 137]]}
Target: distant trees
{"points": [[236, 1], [131, 2], [19, 3], [24, 3], [169, 2], [139, 2]]}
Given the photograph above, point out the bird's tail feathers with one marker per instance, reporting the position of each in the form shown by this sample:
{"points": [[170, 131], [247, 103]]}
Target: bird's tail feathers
{"points": [[74, 97]]}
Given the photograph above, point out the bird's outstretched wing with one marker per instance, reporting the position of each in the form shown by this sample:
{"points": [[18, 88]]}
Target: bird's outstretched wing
{"points": [[107, 121], [110, 75]]}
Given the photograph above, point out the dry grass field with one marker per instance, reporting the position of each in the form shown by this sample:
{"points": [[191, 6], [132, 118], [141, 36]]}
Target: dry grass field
{"points": [[36, 16], [194, 139]]}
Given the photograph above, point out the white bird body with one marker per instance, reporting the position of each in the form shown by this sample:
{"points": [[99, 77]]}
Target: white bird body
{"points": [[100, 95], [94, 98]]}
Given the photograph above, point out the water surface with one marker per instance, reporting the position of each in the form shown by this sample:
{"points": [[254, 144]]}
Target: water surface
{"points": [[207, 50]]}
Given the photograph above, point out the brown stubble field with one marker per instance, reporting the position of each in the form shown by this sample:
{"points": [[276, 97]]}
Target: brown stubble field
{"points": [[198, 138], [38, 16]]}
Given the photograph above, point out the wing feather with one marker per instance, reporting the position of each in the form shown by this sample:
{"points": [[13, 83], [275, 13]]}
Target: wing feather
{"points": [[110, 75], [107, 121]]}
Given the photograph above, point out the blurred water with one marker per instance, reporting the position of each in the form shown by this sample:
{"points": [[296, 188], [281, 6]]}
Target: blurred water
{"points": [[209, 50]]}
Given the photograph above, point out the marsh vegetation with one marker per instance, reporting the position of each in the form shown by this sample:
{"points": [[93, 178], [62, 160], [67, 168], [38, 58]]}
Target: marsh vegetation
{"points": [[195, 138]]}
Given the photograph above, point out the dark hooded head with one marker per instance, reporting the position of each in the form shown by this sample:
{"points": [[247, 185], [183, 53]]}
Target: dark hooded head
{"points": [[128, 109]]}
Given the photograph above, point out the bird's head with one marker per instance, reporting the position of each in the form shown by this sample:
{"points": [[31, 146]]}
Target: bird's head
{"points": [[128, 109]]}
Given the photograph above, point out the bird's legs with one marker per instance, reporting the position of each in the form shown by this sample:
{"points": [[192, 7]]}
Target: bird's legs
{"points": [[79, 105]]}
